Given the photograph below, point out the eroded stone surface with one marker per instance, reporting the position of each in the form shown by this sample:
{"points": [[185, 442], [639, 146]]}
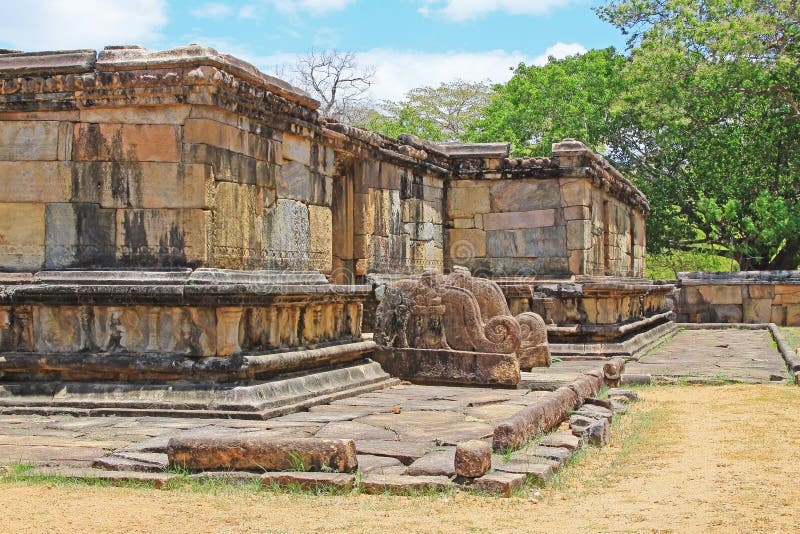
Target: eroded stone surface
{"points": [[473, 458]]}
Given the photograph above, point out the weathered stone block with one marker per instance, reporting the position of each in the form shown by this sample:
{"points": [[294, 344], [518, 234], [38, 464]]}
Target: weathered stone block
{"points": [[467, 201], [726, 313], [579, 235], [500, 483], [529, 243], [161, 237], [450, 367], [757, 310], [296, 148], [465, 244], [364, 217], [137, 115], [80, 235], [464, 223], [35, 181], [561, 440], [575, 193], [435, 463], [522, 195], [761, 291], [517, 220], [400, 484], [473, 459], [28, 140], [722, 294], [196, 453], [232, 166], [126, 142], [577, 212], [214, 133], [22, 236], [320, 243]]}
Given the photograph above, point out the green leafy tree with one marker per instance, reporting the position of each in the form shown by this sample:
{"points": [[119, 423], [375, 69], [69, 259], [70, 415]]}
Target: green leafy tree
{"points": [[541, 105], [709, 124], [442, 113]]}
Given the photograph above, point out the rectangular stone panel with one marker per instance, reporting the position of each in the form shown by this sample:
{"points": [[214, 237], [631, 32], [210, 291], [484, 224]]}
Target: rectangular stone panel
{"points": [[286, 234], [720, 294], [231, 166], [122, 184], [126, 142], [296, 148], [320, 240], [161, 237], [465, 244], [210, 132], [21, 236], [28, 140], [467, 201], [518, 219], [757, 310], [137, 115], [80, 235], [579, 234], [35, 181], [528, 243], [576, 192], [237, 234], [525, 195]]}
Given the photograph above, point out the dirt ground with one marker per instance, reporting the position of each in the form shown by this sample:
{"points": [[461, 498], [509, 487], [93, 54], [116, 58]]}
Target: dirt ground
{"points": [[685, 459]]}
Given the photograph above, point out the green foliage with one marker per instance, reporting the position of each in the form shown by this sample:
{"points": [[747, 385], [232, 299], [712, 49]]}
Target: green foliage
{"points": [[569, 97], [667, 264], [708, 123], [441, 113]]}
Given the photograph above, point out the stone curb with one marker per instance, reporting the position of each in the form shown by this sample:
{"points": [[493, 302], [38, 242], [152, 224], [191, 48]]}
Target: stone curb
{"points": [[789, 355]]}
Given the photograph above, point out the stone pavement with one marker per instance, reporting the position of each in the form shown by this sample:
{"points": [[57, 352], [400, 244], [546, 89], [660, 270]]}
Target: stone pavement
{"points": [[730, 354], [392, 428]]}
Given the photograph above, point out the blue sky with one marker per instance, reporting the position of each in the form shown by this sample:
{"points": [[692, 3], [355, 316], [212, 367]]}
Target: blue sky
{"points": [[409, 42]]}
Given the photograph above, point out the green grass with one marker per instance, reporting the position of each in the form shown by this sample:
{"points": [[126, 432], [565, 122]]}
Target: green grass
{"points": [[667, 265]]}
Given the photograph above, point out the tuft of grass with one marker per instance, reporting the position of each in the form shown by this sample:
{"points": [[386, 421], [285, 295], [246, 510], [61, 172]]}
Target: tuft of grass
{"points": [[296, 462]]}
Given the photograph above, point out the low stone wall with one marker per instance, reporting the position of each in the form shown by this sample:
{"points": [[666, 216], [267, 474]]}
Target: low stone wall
{"points": [[744, 297]]}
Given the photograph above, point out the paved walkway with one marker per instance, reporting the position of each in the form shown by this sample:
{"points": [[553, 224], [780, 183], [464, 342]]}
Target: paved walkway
{"points": [[748, 356]]}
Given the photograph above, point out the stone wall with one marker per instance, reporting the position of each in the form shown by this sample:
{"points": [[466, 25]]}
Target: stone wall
{"points": [[571, 214], [190, 158], [744, 297]]}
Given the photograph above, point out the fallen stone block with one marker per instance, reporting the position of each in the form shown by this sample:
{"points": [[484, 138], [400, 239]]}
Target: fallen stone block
{"points": [[403, 484], [595, 412], [144, 462], [627, 393], [579, 424], [555, 454], [435, 366], [539, 473], [541, 416], [500, 483], [599, 433], [436, 463], [262, 453], [636, 379], [594, 401], [562, 440], [116, 477], [473, 459], [308, 481]]}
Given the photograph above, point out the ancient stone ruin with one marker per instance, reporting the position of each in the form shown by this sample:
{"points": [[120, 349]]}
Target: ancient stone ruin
{"points": [[183, 232]]}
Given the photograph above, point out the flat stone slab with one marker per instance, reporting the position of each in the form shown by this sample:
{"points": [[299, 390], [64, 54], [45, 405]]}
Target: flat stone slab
{"points": [[156, 479], [561, 440], [145, 462], [404, 451], [729, 354], [308, 481], [436, 463], [381, 465], [540, 473], [403, 484]]}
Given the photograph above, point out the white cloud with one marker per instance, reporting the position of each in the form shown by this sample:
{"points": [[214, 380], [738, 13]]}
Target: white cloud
{"points": [[51, 24], [461, 10], [312, 7], [211, 10], [248, 11], [397, 72]]}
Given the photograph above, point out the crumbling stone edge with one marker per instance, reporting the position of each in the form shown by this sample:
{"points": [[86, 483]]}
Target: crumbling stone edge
{"points": [[550, 411]]}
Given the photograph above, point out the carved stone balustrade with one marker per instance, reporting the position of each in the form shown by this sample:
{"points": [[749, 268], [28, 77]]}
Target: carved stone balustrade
{"points": [[456, 328]]}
